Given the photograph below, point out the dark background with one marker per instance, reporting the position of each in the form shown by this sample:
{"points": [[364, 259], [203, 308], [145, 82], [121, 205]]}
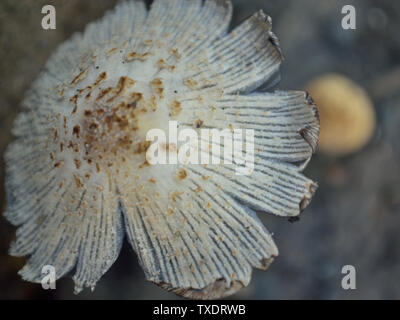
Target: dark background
{"points": [[354, 217]]}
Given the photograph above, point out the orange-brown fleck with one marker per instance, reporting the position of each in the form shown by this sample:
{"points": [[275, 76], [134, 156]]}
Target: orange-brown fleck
{"points": [[78, 182], [175, 194], [142, 147], [76, 131], [56, 132], [182, 174], [175, 53], [74, 100], [77, 163], [103, 93], [144, 164], [136, 56], [198, 123], [102, 76], [175, 108], [111, 51], [161, 64], [79, 77], [58, 164], [191, 83]]}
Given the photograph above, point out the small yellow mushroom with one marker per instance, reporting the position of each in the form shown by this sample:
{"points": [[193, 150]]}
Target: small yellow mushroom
{"points": [[347, 115]]}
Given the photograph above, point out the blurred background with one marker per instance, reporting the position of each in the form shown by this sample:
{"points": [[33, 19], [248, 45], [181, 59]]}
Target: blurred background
{"points": [[354, 218]]}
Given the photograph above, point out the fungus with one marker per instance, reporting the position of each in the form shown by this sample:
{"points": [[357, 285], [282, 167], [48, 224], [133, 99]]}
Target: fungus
{"points": [[193, 227], [346, 113]]}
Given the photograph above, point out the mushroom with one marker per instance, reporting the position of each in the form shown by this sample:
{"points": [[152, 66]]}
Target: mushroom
{"points": [[346, 113], [78, 179]]}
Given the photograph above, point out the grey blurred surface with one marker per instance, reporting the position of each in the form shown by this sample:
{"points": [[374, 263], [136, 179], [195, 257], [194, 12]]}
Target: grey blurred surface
{"points": [[354, 217]]}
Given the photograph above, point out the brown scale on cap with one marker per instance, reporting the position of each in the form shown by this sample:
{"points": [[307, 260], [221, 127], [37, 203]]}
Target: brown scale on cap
{"points": [[108, 128]]}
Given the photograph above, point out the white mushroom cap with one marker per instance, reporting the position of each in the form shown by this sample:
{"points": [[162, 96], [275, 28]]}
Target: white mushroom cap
{"points": [[77, 176]]}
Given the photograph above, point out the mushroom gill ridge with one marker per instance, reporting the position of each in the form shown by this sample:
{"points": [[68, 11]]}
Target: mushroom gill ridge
{"points": [[77, 176]]}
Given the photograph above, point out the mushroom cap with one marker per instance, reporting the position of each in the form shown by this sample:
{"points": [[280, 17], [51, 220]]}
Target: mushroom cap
{"points": [[347, 115], [78, 180]]}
